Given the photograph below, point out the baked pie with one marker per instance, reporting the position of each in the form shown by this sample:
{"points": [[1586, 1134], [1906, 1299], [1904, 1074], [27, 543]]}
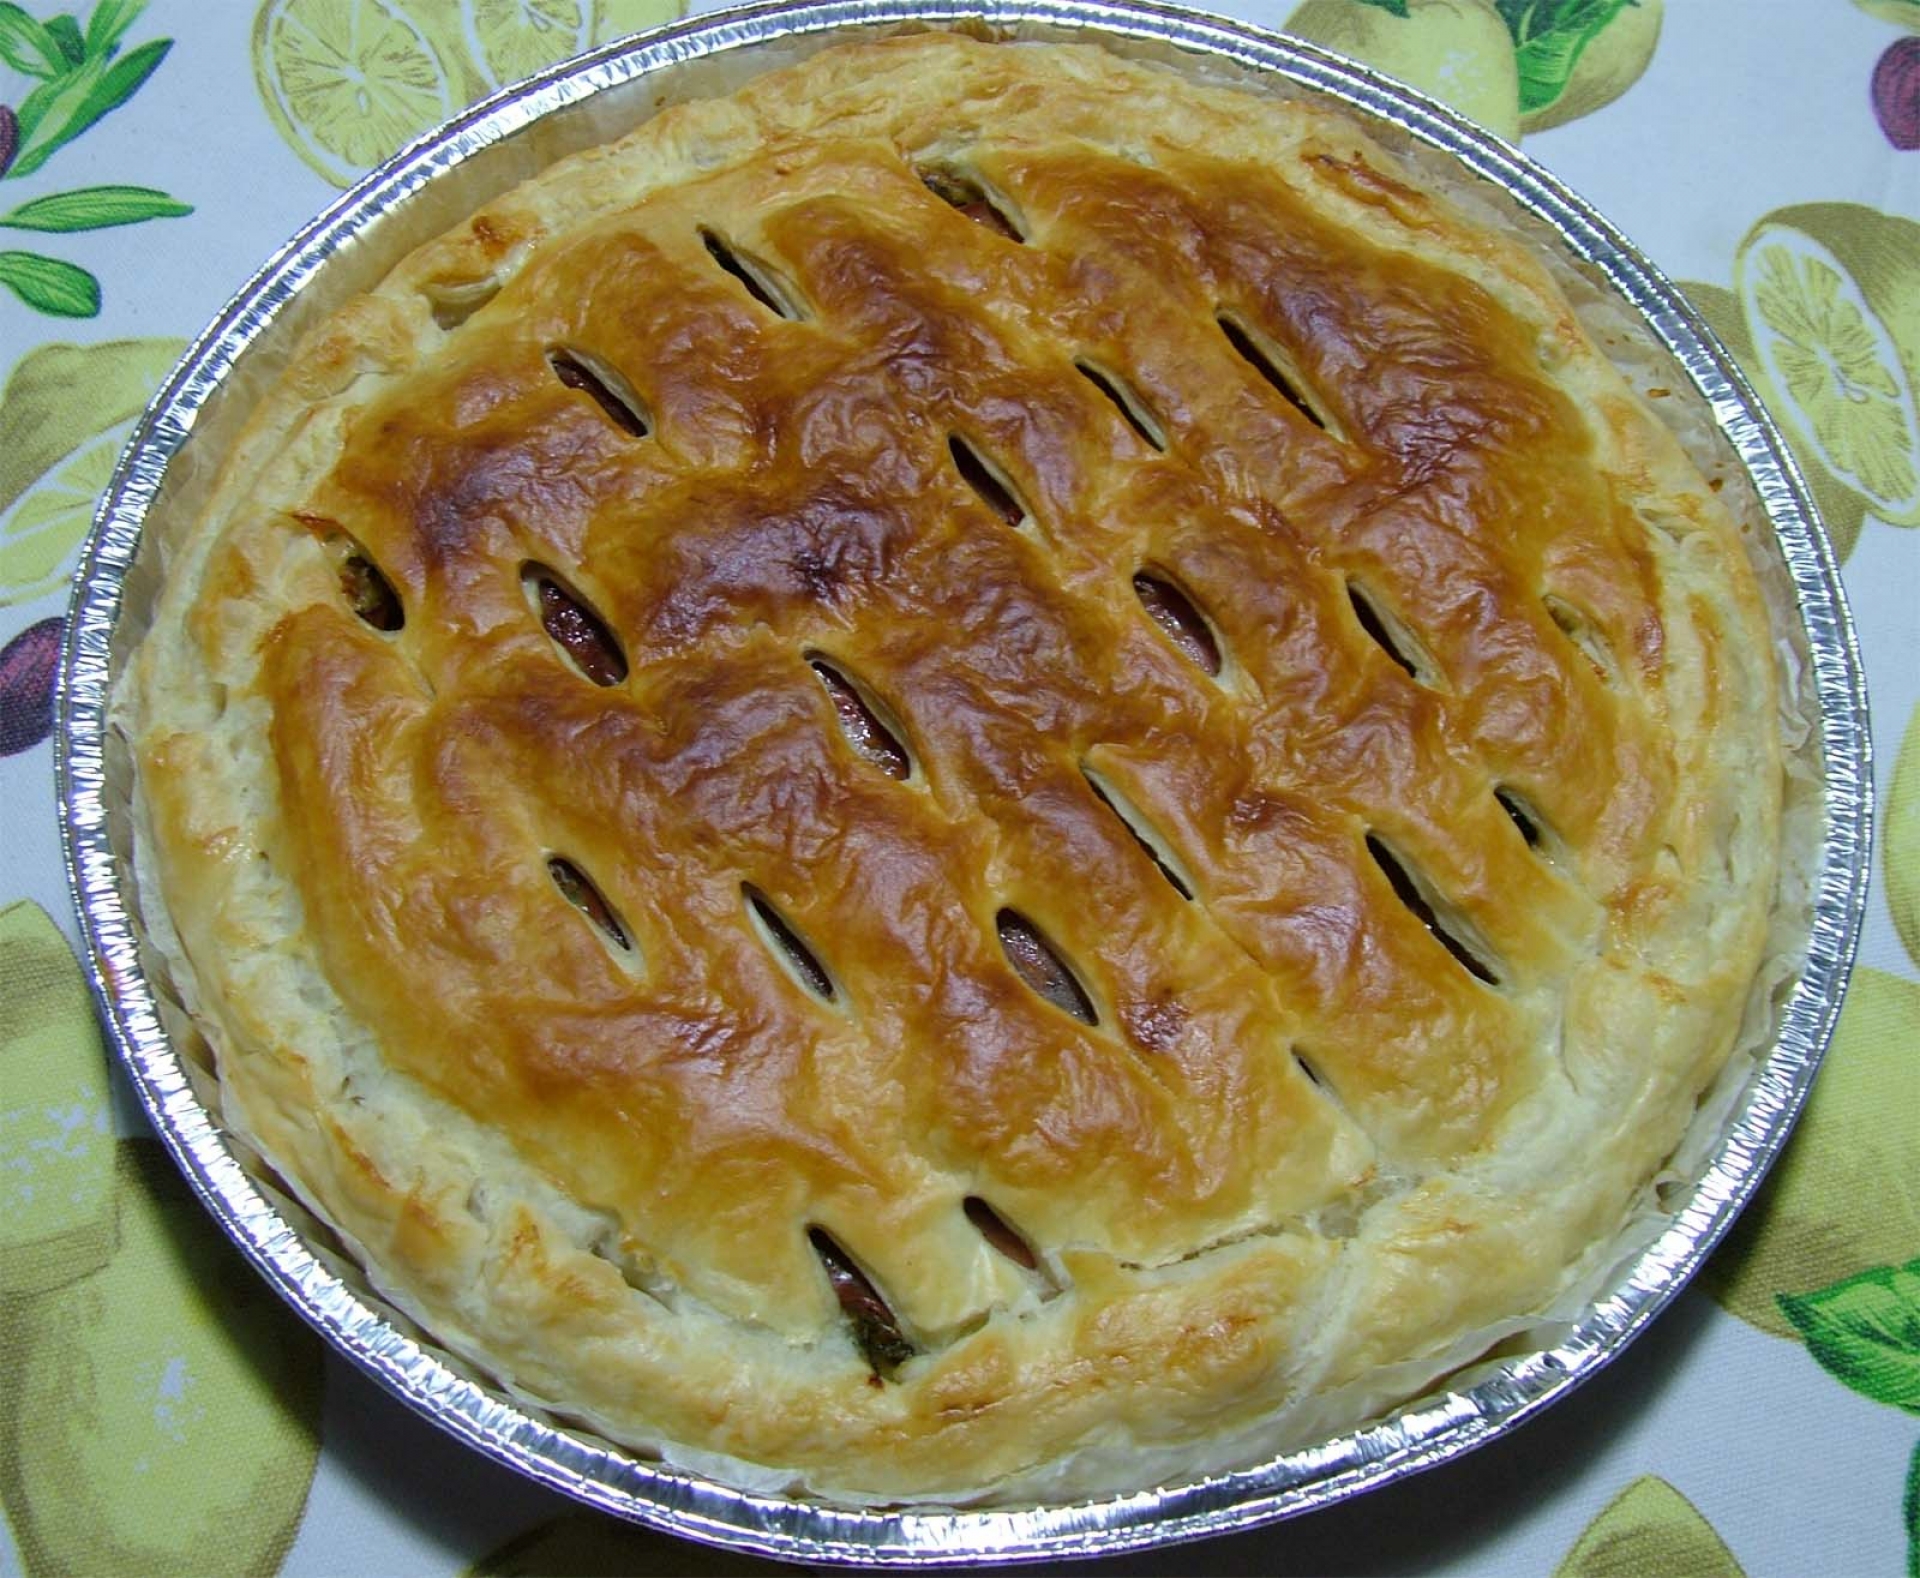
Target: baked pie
{"points": [[980, 774]]}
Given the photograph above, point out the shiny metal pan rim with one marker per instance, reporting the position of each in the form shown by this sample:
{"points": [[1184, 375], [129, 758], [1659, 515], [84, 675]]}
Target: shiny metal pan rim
{"points": [[436, 181]]}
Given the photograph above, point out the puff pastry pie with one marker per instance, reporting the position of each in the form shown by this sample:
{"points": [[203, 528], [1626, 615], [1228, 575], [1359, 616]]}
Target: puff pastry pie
{"points": [[965, 776]]}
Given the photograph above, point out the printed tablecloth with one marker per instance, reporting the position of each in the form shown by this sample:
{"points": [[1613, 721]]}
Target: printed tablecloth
{"points": [[160, 1412]]}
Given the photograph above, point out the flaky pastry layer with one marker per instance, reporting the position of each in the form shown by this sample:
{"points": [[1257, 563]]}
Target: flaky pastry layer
{"points": [[968, 771]]}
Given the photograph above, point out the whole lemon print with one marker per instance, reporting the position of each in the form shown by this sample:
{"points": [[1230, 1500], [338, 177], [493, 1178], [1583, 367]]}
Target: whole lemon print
{"points": [[162, 1414]]}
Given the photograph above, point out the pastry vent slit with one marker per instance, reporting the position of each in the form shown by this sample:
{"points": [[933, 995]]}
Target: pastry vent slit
{"points": [[1126, 400], [1584, 634], [1393, 636], [1339, 1217], [1454, 932], [1272, 364], [606, 385], [365, 585], [452, 302], [972, 198], [579, 890], [876, 1330], [868, 727], [1000, 1234], [784, 943], [1183, 623], [988, 481], [608, 1246], [1038, 963], [1144, 834], [582, 636], [1324, 1087], [1533, 826], [760, 281]]}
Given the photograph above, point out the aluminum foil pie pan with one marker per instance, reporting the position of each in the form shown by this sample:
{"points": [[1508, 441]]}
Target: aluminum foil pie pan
{"points": [[167, 470]]}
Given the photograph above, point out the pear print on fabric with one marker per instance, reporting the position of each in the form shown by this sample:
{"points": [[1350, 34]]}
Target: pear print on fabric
{"points": [[63, 417], [1858, 1140], [1511, 66], [161, 1409], [1649, 1529], [57, 1211], [162, 1414], [1900, 842]]}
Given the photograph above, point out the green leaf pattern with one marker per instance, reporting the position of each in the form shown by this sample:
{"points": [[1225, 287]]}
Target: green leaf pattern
{"points": [[1910, 1513], [82, 76], [59, 289], [56, 112], [66, 33], [93, 208], [26, 45], [1865, 1330], [1548, 36]]}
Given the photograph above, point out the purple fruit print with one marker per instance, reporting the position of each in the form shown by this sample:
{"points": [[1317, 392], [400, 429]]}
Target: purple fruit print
{"points": [[9, 136], [27, 665], [1896, 93]]}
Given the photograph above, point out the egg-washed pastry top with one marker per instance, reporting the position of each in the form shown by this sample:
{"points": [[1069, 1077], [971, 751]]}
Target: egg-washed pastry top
{"points": [[965, 773]]}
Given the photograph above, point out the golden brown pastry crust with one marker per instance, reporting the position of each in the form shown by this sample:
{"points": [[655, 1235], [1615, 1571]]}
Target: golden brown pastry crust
{"points": [[1487, 645]]}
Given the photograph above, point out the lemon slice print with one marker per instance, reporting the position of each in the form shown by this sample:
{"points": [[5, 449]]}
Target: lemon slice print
{"points": [[1831, 295], [515, 38], [348, 82], [1841, 509]]}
